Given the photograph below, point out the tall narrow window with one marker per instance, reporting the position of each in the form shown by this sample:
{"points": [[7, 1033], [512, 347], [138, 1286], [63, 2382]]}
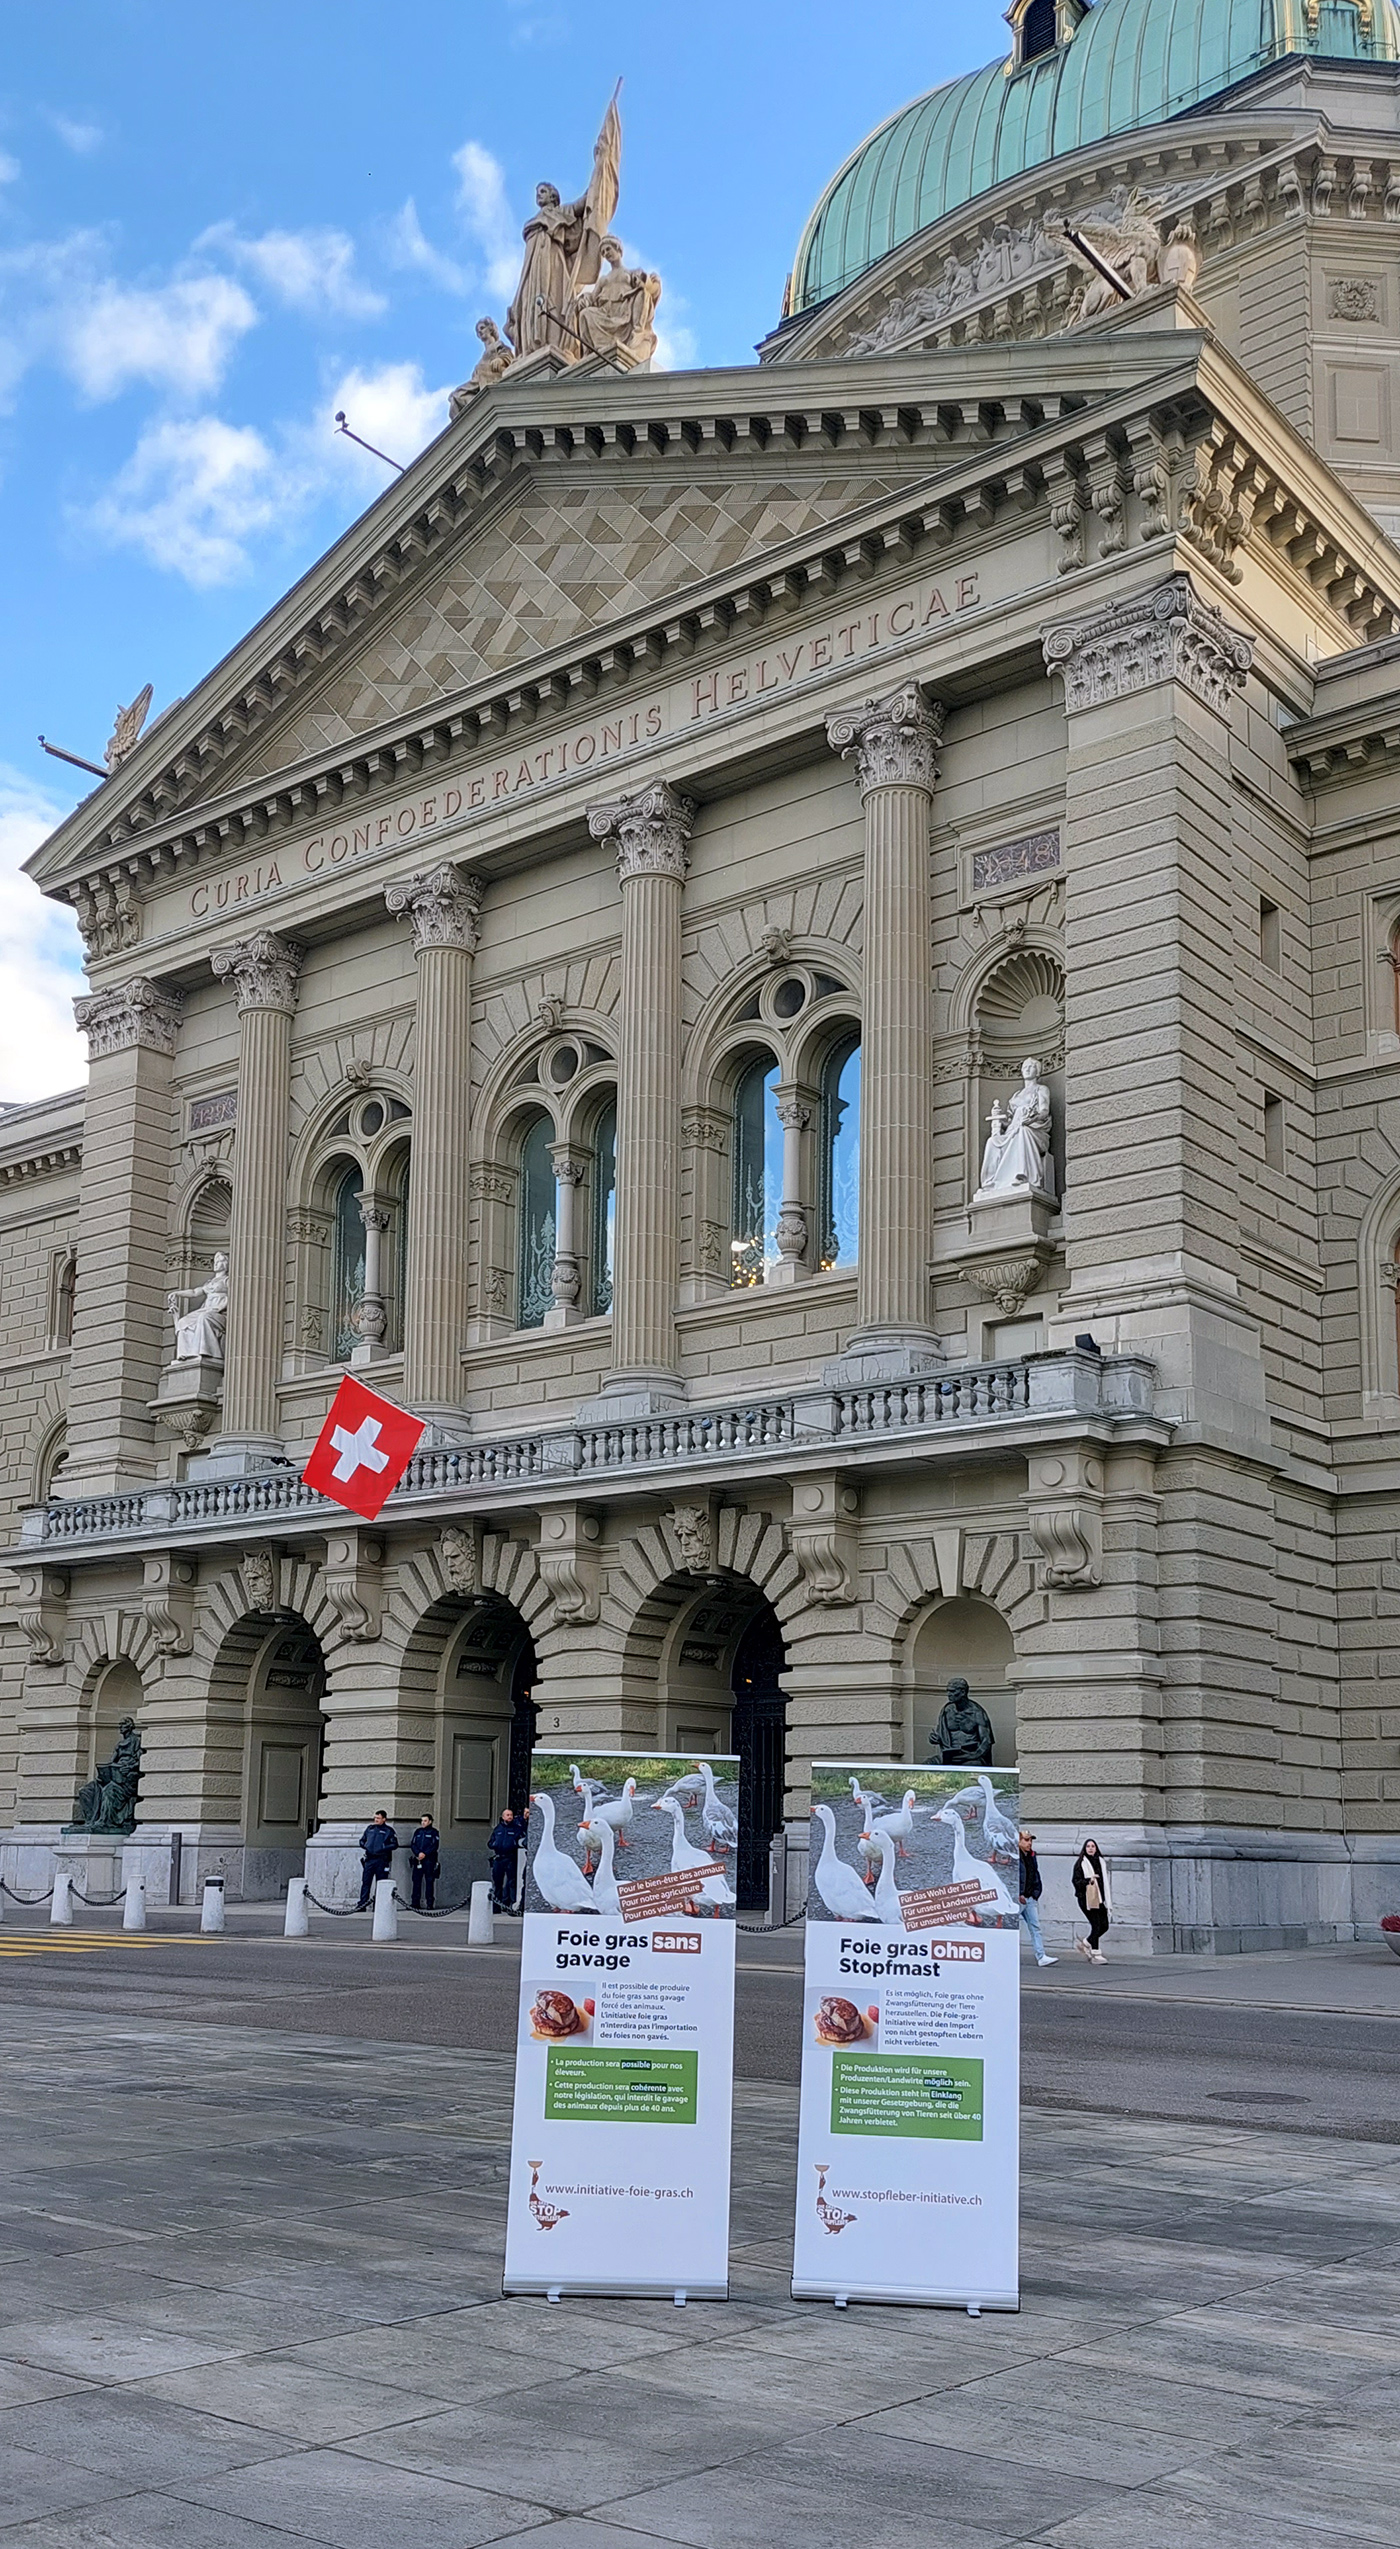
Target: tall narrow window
{"points": [[349, 1268], [1270, 941], [840, 1156], [535, 1269], [758, 1173], [1274, 1132], [604, 1209]]}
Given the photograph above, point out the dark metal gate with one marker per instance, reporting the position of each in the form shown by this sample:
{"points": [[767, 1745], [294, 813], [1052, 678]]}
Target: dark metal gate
{"points": [[524, 1719], [760, 1740]]}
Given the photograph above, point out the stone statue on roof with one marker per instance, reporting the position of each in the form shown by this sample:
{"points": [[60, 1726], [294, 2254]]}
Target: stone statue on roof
{"points": [[563, 251]]}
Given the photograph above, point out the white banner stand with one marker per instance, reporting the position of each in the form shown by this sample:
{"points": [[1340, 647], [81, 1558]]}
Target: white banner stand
{"points": [[625, 2038]]}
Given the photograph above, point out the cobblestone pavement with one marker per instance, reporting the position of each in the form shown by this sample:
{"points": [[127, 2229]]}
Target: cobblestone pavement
{"points": [[251, 2295]]}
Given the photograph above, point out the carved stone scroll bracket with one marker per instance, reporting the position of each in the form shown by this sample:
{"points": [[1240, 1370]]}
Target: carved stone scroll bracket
{"points": [[822, 1535], [1167, 634], [188, 1400], [459, 1547], [260, 1573], [1008, 1281], [568, 1562], [353, 1576], [167, 1600], [1064, 1512], [41, 1612]]}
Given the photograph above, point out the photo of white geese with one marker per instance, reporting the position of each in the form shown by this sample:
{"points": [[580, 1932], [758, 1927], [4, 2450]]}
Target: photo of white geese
{"points": [[565, 1888], [1003, 1837], [605, 1894], [618, 1814], [887, 1906], [966, 1867], [841, 1889], [718, 1821], [710, 1886], [897, 1826]]}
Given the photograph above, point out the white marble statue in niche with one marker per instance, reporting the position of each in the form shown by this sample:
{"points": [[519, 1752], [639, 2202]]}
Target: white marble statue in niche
{"points": [[1017, 1158], [199, 1333]]}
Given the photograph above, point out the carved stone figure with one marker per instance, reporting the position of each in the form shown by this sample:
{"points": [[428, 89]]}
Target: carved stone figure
{"points": [[614, 316], [693, 1538], [495, 362], [260, 1580], [1017, 1157], [963, 1734], [459, 1559], [199, 1333], [563, 251], [107, 1801], [1179, 258]]}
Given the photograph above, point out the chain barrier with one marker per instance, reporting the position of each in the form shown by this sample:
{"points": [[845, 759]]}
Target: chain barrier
{"points": [[432, 1912], [30, 1901], [338, 1911], [765, 1929], [98, 1902]]}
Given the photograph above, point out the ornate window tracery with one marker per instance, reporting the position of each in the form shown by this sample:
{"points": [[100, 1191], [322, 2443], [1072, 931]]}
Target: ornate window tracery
{"points": [[536, 1224], [757, 1156]]}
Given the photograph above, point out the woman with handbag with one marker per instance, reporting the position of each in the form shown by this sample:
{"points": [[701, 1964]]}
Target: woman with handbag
{"points": [[1090, 1882]]}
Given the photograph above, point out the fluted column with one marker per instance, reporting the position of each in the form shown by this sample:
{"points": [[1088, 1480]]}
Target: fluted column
{"points": [[119, 1304], [264, 971], [894, 745], [443, 909], [651, 830]]}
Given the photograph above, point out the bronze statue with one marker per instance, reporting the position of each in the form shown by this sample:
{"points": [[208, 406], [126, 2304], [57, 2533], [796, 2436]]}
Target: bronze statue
{"points": [[107, 1801], [962, 1737]]}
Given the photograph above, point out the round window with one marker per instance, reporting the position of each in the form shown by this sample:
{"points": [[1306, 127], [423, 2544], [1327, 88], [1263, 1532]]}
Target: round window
{"points": [[789, 997], [372, 1119], [563, 1063]]}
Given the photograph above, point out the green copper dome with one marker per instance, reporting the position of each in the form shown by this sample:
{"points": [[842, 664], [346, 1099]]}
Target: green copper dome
{"points": [[1129, 63]]}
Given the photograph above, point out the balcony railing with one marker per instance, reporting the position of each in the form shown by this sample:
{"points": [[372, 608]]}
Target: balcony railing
{"points": [[1012, 1397]]}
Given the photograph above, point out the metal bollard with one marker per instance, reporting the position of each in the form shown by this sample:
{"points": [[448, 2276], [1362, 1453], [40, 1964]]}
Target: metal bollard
{"points": [[61, 1916], [134, 1910], [481, 1928], [297, 1923], [386, 1910], [212, 1914]]}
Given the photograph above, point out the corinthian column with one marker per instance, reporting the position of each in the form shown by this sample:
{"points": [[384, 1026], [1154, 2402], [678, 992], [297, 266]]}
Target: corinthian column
{"points": [[443, 910], [894, 745], [264, 972], [651, 830], [119, 1305]]}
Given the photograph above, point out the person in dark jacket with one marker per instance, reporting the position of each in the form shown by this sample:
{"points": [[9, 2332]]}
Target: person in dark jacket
{"points": [[1090, 1882], [504, 1846], [378, 1842], [423, 1860], [1031, 1891]]}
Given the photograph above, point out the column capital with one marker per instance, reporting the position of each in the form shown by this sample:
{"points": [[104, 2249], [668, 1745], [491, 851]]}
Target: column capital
{"points": [[264, 969], [571, 1165], [651, 829], [442, 905], [893, 741], [1167, 634], [139, 1013]]}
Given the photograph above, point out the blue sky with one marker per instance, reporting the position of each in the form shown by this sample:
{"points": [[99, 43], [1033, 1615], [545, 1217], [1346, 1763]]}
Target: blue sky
{"points": [[216, 227]]}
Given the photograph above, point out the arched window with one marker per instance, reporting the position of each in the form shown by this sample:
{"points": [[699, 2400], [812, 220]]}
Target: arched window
{"points": [[348, 1277], [65, 1287], [758, 1173], [604, 1208], [1039, 31], [839, 1162], [535, 1260]]}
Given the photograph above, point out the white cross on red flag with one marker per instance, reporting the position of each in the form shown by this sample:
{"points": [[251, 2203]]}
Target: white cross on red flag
{"points": [[362, 1450]]}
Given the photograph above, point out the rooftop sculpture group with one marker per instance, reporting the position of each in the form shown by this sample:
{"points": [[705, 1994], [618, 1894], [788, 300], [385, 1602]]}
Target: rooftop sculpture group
{"points": [[565, 303]]}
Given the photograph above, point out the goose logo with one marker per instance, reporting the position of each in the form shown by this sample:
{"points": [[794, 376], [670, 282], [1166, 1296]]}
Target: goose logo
{"points": [[546, 2216], [830, 2216]]}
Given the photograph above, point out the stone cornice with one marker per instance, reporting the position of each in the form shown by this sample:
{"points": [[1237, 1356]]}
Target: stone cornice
{"points": [[443, 907], [651, 828], [40, 1163], [1167, 634], [265, 970], [140, 1014]]}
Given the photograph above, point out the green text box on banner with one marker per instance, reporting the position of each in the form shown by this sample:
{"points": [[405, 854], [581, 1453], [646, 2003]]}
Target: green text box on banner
{"points": [[906, 2096], [598, 2087]]}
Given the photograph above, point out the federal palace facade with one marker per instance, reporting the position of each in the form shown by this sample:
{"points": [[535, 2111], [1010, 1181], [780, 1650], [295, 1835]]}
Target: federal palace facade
{"points": [[567, 958]]}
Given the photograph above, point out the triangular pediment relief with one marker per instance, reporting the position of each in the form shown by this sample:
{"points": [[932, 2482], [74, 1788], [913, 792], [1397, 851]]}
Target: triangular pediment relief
{"points": [[556, 565]]}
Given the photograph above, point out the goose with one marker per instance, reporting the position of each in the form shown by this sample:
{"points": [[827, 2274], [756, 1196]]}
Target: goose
{"points": [[887, 1904], [966, 1867], [618, 1813], [565, 1888], [605, 1893], [717, 1819], [1003, 1837], [868, 1799], [840, 1888], [685, 1857], [589, 1789]]}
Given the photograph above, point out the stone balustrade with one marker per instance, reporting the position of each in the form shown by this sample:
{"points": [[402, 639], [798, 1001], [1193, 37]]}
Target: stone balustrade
{"points": [[1042, 1394]]}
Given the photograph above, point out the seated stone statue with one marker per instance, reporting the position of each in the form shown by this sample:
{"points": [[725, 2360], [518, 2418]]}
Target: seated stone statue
{"points": [[495, 362], [963, 1734], [1017, 1157], [199, 1333], [107, 1801], [614, 315]]}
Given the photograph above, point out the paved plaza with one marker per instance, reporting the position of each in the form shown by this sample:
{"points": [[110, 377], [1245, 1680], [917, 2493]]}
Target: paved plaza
{"points": [[252, 2296]]}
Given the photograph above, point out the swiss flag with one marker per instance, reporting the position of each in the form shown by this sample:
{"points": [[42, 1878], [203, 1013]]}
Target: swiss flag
{"points": [[362, 1450]]}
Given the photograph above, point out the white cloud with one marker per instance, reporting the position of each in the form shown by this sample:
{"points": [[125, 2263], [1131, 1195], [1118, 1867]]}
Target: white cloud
{"points": [[407, 248], [9, 169], [193, 494], [481, 199], [311, 270], [78, 135], [179, 336], [40, 956], [392, 407]]}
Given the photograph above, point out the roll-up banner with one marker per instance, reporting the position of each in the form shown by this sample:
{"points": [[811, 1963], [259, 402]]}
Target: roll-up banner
{"points": [[908, 2169], [625, 2040]]}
